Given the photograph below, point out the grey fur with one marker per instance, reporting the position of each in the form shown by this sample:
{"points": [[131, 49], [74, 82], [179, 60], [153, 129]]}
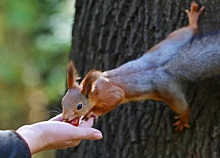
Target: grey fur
{"points": [[170, 62], [198, 60]]}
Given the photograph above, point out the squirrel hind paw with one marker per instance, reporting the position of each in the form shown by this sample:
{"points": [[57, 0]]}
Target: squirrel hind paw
{"points": [[180, 125], [193, 15]]}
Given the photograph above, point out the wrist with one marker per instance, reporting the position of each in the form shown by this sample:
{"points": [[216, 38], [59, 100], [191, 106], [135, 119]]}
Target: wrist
{"points": [[23, 140], [31, 138]]}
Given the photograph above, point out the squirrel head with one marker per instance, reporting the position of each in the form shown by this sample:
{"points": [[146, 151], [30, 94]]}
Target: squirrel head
{"points": [[74, 103]]}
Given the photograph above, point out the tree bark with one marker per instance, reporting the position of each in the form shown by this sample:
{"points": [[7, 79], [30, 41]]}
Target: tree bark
{"points": [[108, 33]]}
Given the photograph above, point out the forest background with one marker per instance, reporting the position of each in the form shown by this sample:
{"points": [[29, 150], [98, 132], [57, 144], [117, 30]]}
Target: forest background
{"points": [[35, 40]]}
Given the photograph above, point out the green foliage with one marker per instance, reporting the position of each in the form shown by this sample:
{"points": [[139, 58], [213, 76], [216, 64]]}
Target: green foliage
{"points": [[35, 40]]}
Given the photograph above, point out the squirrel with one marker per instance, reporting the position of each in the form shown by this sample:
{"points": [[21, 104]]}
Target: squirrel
{"points": [[156, 75]]}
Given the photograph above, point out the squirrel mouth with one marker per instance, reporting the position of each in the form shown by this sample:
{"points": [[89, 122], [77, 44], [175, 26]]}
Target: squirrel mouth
{"points": [[74, 122], [77, 120]]}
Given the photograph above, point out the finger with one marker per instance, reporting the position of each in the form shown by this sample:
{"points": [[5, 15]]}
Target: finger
{"points": [[87, 123], [65, 131], [57, 118], [72, 143], [87, 133]]}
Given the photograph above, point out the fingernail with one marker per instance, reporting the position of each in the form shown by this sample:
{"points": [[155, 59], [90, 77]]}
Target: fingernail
{"points": [[97, 136]]}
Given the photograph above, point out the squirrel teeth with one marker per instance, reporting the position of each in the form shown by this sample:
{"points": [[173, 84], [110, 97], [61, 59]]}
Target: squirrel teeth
{"points": [[74, 122]]}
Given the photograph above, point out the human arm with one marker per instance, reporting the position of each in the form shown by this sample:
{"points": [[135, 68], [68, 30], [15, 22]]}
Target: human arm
{"points": [[12, 145], [55, 134]]}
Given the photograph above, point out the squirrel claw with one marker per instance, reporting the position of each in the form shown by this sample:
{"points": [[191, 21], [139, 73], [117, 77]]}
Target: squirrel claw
{"points": [[176, 118], [90, 114], [179, 128], [176, 123], [182, 120], [180, 124]]}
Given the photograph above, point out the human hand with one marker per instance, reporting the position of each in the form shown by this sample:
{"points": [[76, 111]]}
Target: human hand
{"points": [[55, 134]]}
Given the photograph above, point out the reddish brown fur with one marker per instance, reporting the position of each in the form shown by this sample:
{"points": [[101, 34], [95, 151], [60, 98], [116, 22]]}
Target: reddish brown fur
{"points": [[106, 96], [88, 80], [70, 78], [72, 75]]}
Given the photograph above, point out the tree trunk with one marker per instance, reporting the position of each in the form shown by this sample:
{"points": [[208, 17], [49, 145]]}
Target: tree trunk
{"points": [[108, 33]]}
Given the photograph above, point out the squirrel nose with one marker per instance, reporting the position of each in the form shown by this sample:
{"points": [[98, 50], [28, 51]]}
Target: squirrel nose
{"points": [[67, 117]]}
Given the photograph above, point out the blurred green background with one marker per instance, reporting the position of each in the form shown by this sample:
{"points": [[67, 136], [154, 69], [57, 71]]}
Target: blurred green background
{"points": [[35, 39]]}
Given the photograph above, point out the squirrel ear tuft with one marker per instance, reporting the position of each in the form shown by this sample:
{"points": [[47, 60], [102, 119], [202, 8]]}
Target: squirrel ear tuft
{"points": [[88, 81], [72, 75]]}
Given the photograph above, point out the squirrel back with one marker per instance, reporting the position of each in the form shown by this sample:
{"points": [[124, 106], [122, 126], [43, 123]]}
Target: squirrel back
{"points": [[198, 60]]}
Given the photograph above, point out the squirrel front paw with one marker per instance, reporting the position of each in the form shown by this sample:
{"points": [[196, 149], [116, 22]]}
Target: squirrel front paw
{"points": [[90, 114]]}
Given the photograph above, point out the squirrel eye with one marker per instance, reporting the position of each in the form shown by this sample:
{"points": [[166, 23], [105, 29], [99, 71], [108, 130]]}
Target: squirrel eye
{"points": [[79, 106]]}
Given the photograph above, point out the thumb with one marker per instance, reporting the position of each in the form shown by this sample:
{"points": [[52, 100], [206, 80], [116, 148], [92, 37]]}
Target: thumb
{"points": [[87, 133]]}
